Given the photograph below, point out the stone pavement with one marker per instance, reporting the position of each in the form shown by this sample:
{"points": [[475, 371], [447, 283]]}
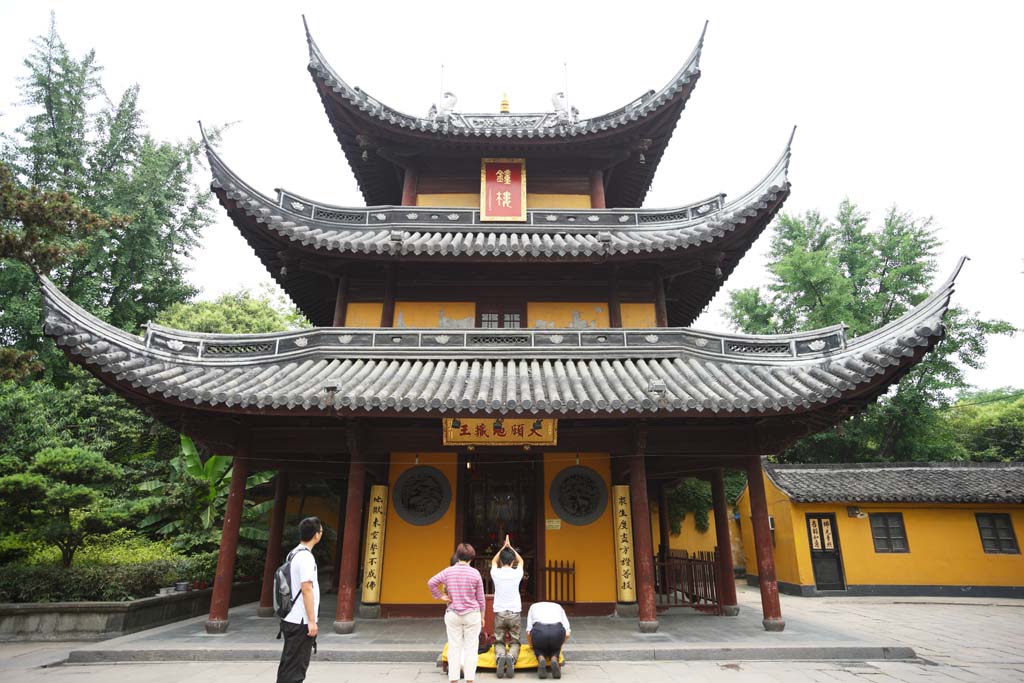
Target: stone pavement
{"points": [[956, 640]]}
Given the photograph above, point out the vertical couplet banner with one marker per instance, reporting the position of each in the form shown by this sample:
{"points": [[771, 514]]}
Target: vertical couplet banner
{"points": [[503, 189], [373, 556], [625, 582]]}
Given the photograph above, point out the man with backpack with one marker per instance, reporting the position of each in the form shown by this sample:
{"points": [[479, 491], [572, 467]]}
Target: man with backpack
{"points": [[297, 600]]}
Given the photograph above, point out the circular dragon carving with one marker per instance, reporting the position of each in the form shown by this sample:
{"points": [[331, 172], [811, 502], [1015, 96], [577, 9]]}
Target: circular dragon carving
{"points": [[579, 495], [422, 495]]}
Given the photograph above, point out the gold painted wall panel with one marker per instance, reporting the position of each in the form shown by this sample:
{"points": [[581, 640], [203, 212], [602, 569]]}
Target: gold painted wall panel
{"points": [[638, 315], [449, 314], [459, 200], [533, 201], [363, 314], [580, 315]]}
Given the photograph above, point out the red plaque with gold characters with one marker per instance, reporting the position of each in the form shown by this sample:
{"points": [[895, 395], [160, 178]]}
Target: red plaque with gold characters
{"points": [[503, 189], [469, 431]]}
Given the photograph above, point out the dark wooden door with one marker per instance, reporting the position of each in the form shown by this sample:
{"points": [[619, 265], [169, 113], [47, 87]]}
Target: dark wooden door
{"points": [[498, 497], [826, 556]]}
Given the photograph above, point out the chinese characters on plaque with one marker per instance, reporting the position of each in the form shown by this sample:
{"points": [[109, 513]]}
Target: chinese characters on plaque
{"points": [[625, 580], [503, 189], [374, 555], [462, 431]]}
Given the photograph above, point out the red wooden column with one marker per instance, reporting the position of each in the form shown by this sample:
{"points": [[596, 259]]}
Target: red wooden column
{"points": [[614, 305], [763, 544], [336, 579], [340, 301], [597, 190], [221, 598], [664, 527], [660, 306], [273, 561], [387, 313], [345, 617], [409, 187], [724, 556], [643, 551]]}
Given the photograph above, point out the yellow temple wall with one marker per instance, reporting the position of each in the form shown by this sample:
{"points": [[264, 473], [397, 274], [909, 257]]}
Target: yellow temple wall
{"points": [[689, 537], [788, 567], [313, 506], [533, 201], [432, 314], [363, 315], [567, 314], [592, 546], [412, 554], [638, 315], [944, 542]]}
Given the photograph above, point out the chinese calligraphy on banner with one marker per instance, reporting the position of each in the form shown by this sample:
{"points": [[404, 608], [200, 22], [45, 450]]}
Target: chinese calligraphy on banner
{"points": [[461, 431], [503, 189], [625, 581], [373, 556]]}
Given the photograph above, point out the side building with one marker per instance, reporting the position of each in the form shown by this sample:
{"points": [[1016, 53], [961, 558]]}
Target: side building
{"points": [[894, 528], [501, 346]]}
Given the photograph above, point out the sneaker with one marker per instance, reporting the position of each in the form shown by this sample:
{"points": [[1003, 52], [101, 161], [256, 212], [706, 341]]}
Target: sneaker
{"points": [[556, 668], [510, 667], [542, 668], [499, 665]]}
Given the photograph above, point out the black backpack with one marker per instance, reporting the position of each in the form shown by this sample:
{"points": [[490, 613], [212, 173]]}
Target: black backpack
{"points": [[283, 600]]}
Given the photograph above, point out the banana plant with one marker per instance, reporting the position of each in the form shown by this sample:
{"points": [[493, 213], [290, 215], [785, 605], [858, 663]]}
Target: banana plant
{"points": [[195, 496]]}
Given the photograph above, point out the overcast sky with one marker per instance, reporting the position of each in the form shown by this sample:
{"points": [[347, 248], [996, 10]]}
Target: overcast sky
{"points": [[898, 103]]}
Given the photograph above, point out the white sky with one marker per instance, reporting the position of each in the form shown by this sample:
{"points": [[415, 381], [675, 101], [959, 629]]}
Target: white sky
{"points": [[911, 103]]}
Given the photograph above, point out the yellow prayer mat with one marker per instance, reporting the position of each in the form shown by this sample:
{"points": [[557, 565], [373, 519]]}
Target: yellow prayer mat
{"points": [[526, 660]]}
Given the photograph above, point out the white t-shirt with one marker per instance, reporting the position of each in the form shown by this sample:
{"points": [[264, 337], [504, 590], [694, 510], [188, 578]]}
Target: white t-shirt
{"points": [[546, 613], [303, 569], [506, 588]]}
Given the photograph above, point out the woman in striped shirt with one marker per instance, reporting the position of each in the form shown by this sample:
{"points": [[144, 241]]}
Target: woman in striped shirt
{"points": [[463, 590]]}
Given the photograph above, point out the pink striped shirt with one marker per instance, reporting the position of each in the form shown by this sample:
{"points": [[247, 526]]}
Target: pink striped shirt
{"points": [[464, 587]]}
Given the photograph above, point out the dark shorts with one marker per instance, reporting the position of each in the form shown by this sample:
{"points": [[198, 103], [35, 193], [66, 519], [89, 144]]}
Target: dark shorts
{"points": [[547, 639]]}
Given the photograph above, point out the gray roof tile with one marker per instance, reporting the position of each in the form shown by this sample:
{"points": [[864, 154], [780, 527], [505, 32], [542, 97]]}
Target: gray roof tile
{"points": [[441, 232], [945, 482], [513, 371]]}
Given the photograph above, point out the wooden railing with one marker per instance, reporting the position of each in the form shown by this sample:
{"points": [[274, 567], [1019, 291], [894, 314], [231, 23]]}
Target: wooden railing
{"points": [[688, 580], [560, 581]]}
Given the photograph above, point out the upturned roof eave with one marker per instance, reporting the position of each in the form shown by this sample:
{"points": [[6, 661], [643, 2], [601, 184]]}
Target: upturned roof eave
{"points": [[658, 373], [355, 115]]}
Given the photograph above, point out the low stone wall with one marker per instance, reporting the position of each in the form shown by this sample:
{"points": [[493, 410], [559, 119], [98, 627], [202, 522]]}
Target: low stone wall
{"points": [[101, 620]]}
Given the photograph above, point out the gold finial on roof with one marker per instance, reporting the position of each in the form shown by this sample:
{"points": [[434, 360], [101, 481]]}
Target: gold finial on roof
{"points": [[504, 103]]}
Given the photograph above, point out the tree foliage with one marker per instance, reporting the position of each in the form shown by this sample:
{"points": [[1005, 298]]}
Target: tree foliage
{"points": [[239, 312], [121, 250], [841, 270], [62, 498]]}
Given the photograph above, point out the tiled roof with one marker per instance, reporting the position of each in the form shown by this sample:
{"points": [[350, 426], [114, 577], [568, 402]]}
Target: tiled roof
{"points": [[518, 126], [452, 232], [657, 372], [636, 134], [943, 482]]}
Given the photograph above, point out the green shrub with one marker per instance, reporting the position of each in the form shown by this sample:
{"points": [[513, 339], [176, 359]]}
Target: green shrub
{"points": [[120, 547], [116, 566]]}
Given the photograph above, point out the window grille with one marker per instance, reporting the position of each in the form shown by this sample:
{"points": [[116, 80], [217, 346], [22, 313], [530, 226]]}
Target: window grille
{"points": [[997, 533], [888, 532]]}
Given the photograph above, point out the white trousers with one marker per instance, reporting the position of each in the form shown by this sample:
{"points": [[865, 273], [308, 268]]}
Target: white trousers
{"points": [[463, 640]]}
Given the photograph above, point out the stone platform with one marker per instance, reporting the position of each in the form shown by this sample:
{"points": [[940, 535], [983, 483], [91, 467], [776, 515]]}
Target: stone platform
{"points": [[683, 635]]}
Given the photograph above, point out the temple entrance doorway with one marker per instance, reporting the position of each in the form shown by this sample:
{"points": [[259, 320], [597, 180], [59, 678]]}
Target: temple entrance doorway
{"points": [[498, 496]]}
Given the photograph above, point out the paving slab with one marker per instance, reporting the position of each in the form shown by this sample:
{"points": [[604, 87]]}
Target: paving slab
{"points": [[683, 635]]}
